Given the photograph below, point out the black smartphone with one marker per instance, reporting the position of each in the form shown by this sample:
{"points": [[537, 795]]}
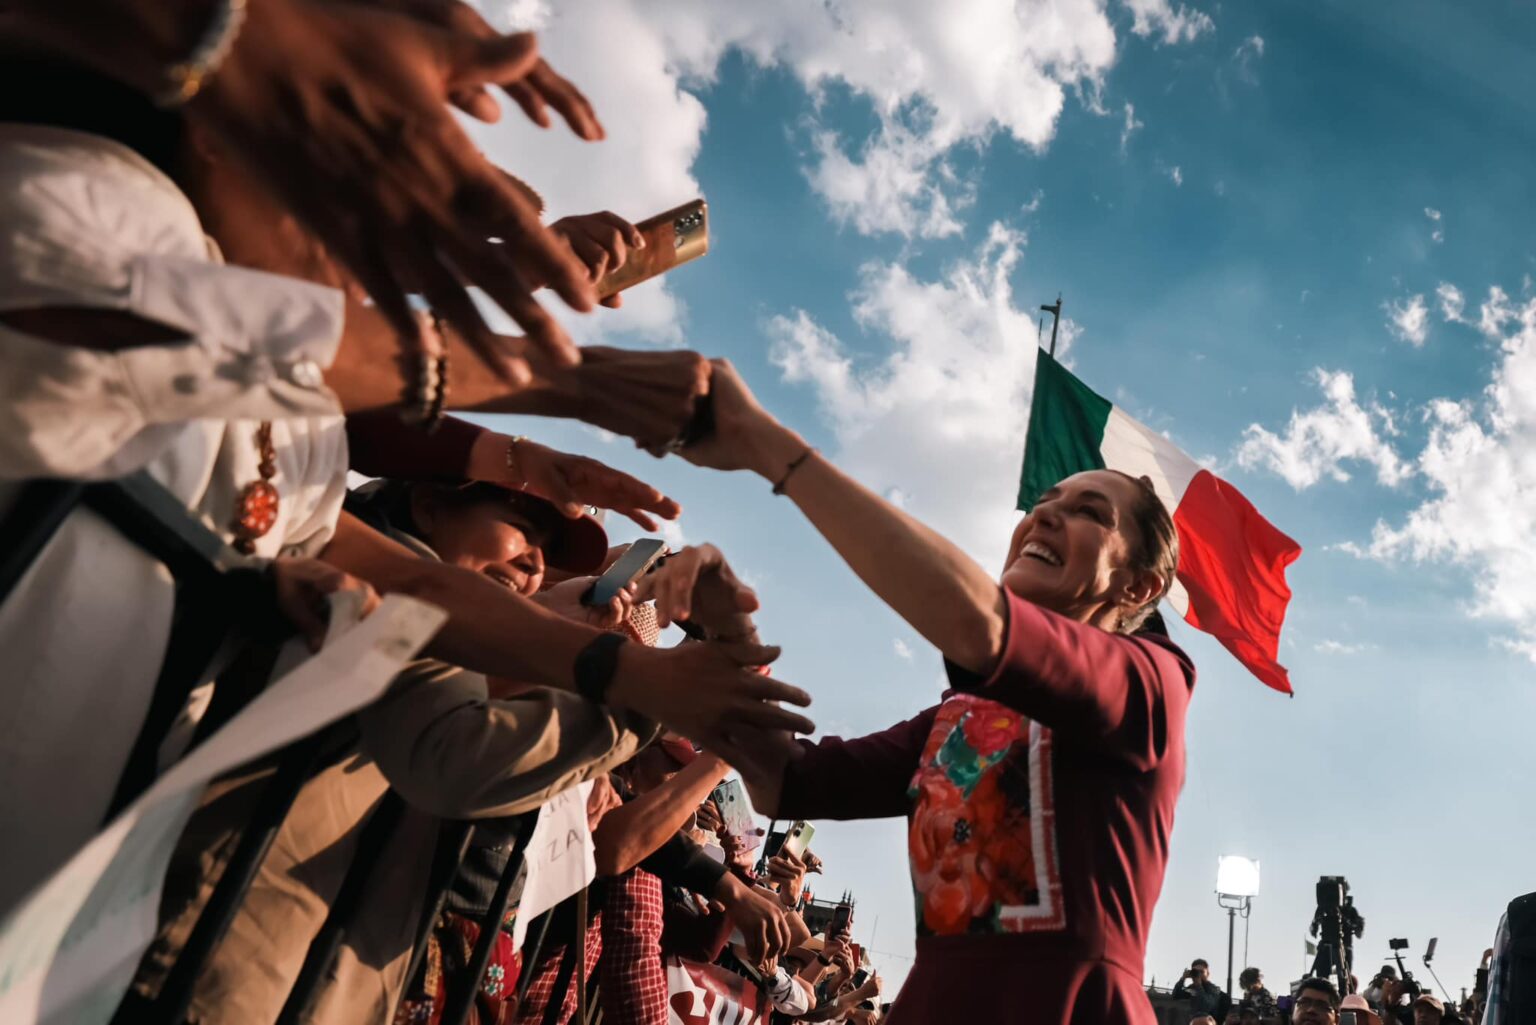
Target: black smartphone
{"points": [[861, 976], [842, 918], [642, 555]]}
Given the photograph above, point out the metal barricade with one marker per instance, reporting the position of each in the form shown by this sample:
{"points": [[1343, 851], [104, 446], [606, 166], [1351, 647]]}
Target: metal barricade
{"points": [[461, 996]]}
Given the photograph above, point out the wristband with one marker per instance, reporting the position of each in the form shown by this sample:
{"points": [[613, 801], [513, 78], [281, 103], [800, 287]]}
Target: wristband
{"points": [[779, 488], [595, 665], [824, 959]]}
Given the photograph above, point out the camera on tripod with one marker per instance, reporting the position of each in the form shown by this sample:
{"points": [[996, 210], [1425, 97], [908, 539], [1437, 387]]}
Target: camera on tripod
{"points": [[1336, 924]]}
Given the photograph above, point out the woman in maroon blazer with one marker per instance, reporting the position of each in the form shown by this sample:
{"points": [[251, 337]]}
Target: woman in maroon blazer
{"points": [[1040, 791]]}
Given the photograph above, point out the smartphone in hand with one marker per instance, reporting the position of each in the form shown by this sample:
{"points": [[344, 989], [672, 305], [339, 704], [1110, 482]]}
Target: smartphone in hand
{"points": [[631, 566], [672, 239]]}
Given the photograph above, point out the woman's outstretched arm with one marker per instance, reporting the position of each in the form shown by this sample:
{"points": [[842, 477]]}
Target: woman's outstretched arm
{"points": [[954, 603]]}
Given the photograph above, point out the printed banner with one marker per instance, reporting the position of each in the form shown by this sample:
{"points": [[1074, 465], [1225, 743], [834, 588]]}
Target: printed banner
{"points": [[703, 994], [69, 951]]}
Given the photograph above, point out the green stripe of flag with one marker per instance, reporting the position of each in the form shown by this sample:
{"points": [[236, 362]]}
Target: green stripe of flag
{"points": [[1066, 430]]}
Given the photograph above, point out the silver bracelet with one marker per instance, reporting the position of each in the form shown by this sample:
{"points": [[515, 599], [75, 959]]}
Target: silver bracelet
{"points": [[189, 76]]}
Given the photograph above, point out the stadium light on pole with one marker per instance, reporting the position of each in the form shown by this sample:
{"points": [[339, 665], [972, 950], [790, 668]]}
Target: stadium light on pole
{"points": [[1237, 883]]}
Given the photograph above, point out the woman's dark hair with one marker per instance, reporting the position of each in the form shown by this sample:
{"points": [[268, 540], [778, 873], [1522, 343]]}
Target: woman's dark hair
{"points": [[1156, 551], [1248, 977]]}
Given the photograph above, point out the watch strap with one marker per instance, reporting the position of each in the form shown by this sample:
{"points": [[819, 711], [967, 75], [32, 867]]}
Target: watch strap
{"points": [[595, 666]]}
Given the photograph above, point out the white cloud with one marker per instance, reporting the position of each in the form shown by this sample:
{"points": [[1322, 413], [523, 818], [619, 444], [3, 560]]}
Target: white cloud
{"points": [[940, 412], [1176, 24], [671, 532], [1431, 213], [937, 76], [1176, 175], [1248, 53], [1250, 48], [1408, 319], [1131, 126], [1452, 303], [1318, 442], [889, 186], [1480, 465], [903, 649], [1495, 313], [1330, 647]]}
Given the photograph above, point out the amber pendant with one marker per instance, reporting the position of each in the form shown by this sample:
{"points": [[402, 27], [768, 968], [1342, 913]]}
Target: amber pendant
{"points": [[256, 514]]}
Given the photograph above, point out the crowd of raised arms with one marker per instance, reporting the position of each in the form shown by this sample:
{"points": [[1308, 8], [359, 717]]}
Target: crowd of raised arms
{"points": [[249, 246]]}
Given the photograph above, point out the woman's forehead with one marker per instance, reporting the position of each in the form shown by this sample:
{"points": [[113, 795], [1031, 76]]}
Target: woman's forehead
{"points": [[1111, 484], [533, 528]]}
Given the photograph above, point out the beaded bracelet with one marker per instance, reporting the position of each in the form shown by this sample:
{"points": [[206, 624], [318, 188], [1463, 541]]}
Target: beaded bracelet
{"points": [[188, 76], [426, 394]]}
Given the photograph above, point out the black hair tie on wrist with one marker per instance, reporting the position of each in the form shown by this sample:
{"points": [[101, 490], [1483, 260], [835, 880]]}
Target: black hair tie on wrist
{"points": [[595, 665]]}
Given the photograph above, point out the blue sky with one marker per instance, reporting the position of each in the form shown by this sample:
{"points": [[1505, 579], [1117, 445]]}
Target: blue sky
{"points": [[1275, 227]]}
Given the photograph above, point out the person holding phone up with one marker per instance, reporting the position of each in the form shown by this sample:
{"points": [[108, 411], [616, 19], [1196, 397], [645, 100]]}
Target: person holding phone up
{"points": [[1040, 790]]}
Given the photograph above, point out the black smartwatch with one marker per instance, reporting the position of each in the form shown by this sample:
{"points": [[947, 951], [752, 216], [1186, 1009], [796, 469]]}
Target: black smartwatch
{"points": [[595, 666]]}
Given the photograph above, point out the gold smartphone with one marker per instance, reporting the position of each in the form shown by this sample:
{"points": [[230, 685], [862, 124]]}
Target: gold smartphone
{"points": [[671, 240]]}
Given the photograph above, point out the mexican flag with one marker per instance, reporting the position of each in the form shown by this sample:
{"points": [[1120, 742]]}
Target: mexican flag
{"points": [[1231, 579]]}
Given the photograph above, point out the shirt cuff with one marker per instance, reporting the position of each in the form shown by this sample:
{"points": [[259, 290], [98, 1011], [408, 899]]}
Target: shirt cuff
{"points": [[260, 344]]}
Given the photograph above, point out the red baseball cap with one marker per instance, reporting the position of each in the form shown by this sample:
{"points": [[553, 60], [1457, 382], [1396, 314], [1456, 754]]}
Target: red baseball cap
{"points": [[679, 748]]}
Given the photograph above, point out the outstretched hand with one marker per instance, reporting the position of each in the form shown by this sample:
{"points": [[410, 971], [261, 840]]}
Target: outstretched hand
{"points": [[714, 694], [570, 481], [743, 435], [535, 89], [602, 241], [342, 109], [649, 396], [696, 584], [564, 599]]}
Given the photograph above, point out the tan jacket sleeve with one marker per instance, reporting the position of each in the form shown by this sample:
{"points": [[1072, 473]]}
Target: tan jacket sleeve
{"points": [[450, 749]]}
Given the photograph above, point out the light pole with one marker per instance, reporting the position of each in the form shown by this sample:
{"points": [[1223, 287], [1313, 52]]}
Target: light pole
{"points": [[1237, 883]]}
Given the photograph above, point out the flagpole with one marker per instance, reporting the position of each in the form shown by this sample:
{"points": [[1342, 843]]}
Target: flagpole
{"points": [[1055, 312]]}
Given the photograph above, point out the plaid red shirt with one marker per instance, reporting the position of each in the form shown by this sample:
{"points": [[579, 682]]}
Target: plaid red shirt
{"points": [[634, 984], [546, 973]]}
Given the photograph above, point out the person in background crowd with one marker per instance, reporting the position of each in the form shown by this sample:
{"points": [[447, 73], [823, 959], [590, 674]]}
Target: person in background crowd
{"points": [[1204, 996], [1053, 677], [1202, 1019], [1317, 1003], [1362, 1008], [1251, 984], [1428, 1009]]}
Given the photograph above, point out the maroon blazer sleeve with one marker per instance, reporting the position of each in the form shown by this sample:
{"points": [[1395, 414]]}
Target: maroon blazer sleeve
{"points": [[380, 444], [1120, 694], [863, 778]]}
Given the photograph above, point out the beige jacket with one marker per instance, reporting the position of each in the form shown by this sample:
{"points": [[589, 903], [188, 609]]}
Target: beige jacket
{"points": [[449, 750]]}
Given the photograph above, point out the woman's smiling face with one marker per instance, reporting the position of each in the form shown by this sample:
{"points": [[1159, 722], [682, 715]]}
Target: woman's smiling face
{"points": [[488, 537], [1073, 552]]}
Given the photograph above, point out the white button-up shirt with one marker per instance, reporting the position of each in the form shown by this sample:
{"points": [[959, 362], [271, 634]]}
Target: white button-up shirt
{"points": [[88, 223]]}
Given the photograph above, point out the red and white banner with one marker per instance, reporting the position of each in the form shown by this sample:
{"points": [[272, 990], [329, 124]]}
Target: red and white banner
{"points": [[701, 994]]}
